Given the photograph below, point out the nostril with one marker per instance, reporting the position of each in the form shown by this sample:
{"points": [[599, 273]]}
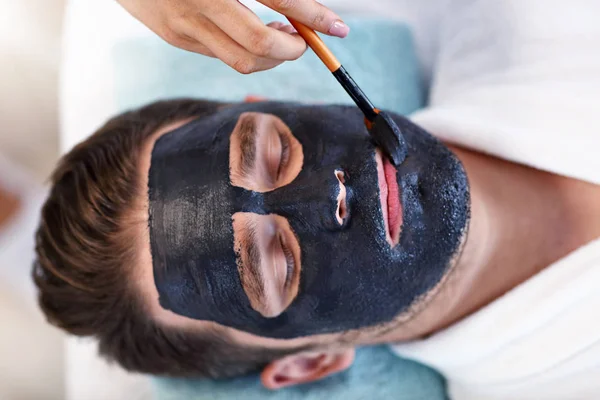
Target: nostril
{"points": [[341, 210]]}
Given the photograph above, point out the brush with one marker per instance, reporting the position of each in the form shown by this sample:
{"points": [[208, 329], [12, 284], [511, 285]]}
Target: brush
{"points": [[380, 125]]}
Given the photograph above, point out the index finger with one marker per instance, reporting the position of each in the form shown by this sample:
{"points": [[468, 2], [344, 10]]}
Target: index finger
{"points": [[312, 14]]}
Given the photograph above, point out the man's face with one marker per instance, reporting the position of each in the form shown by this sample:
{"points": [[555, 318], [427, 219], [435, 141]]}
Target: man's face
{"points": [[283, 220]]}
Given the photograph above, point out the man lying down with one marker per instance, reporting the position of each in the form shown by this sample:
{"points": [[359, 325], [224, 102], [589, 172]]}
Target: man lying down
{"points": [[195, 238]]}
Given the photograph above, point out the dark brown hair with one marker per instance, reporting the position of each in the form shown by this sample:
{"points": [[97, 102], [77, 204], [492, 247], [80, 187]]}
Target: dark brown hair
{"points": [[85, 255]]}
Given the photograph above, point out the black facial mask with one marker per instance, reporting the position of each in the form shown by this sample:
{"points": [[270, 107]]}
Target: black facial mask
{"points": [[350, 276]]}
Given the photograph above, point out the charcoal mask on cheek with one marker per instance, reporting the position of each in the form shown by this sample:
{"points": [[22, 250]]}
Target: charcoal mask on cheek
{"points": [[350, 276]]}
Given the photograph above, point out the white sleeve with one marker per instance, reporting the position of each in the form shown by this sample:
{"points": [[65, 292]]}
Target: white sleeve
{"points": [[520, 79]]}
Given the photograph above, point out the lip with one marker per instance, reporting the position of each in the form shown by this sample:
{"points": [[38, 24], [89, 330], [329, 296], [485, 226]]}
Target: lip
{"points": [[389, 195]]}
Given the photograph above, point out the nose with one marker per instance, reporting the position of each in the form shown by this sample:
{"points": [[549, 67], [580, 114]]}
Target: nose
{"points": [[320, 198], [341, 212]]}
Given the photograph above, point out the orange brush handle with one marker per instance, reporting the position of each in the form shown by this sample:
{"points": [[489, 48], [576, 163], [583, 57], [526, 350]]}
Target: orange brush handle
{"points": [[315, 43]]}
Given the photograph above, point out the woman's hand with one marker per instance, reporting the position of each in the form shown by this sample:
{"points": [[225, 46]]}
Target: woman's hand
{"points": [[228, 30]]}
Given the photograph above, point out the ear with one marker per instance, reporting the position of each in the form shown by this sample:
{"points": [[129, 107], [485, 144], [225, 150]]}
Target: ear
{"points": [[254, 99], [305, 367]]}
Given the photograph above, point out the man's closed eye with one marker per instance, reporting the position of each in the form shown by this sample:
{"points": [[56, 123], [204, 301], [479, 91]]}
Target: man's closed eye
{"points": [[268, 256], [264, 154]]}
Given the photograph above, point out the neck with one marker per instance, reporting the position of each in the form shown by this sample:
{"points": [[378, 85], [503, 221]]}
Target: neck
{"points": [[9, 205], [523, 220]]}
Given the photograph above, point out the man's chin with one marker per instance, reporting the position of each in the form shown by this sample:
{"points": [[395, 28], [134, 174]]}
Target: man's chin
{"points": [[424, 316]]}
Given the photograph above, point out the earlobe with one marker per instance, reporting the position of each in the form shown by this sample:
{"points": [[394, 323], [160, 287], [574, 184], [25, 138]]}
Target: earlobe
{"points": [[305, 367]]}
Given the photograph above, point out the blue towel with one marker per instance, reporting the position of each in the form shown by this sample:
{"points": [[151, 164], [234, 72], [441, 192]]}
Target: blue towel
{"points": [[381, 58]]}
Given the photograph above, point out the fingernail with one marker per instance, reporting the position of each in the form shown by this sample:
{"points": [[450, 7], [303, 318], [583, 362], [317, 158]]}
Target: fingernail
{"points": [[339, 29]]}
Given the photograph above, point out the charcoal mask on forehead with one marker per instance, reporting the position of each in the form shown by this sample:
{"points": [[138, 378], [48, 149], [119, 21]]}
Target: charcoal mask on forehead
{"points": [[350, 276]]}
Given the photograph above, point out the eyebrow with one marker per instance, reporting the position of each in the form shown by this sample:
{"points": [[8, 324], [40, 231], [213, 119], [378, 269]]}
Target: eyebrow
{"points": [[256, 285], [247, 134]]}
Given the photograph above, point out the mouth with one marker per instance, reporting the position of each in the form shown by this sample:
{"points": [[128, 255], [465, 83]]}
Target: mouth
{"points": [[389, 195]]}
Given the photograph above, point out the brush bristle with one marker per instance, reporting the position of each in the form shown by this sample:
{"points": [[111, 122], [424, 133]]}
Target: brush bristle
{"points": [[389, 138]]}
